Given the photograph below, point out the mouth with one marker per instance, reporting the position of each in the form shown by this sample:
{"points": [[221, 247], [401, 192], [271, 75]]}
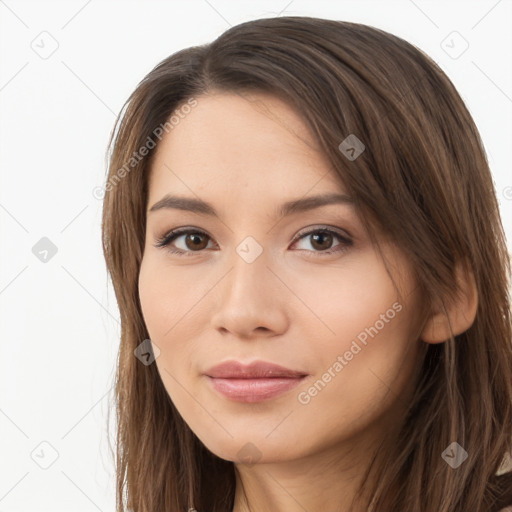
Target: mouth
{"points": [[254, 390], [256, 382]]}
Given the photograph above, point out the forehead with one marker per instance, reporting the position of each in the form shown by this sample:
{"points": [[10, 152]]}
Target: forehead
{"points": [[254, 144]]}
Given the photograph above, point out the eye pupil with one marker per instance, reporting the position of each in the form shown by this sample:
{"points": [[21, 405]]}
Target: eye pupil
{"points": [[322, 237]]}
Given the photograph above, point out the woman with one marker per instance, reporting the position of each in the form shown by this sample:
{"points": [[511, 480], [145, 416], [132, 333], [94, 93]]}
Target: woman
{"points": [[305, 244]]}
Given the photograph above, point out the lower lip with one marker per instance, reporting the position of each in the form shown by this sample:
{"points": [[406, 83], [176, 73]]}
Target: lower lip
{"points": [[254, 390]]}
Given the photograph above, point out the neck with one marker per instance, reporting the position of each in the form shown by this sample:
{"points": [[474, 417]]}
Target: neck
{"points": [[326, 481]]}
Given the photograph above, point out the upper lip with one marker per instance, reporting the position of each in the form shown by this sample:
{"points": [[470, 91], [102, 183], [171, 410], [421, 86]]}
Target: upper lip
{"points": [[254, 370]]}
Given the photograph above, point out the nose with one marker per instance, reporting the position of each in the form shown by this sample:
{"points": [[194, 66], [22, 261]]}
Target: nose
{"points": [[251, 302]]}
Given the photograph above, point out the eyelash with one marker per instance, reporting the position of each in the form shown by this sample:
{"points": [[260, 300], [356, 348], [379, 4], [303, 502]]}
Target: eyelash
{"points": [[169, 237]]}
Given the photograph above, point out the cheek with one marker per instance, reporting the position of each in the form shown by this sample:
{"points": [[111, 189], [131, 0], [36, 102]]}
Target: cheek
{"points": [[369, 351], [152, 299], [355, 383], [162, 310], [167, 297], [167, 300], [355, 300]]}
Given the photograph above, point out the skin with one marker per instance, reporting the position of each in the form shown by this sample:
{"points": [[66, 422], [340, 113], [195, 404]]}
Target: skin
{"points": [[292, 306]]}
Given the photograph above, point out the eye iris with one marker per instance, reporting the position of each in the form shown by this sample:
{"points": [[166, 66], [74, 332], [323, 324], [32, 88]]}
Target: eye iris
{"points": [[322, 237], [195, 237]]}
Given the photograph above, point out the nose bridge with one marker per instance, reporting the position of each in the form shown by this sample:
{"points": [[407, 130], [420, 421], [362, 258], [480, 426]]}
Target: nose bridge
{"points": [[249, 274], [249, 299]]}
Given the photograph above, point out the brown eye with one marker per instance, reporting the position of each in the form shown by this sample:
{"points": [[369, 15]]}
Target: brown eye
{"points": [[195, 241], [323, 241], [192, 241]]}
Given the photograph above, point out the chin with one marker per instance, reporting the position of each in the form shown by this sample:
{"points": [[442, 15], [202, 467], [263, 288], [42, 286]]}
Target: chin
{"points": [[245, 448]]}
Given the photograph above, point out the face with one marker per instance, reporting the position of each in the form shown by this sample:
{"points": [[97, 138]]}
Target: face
{"points": [[303, 289]]}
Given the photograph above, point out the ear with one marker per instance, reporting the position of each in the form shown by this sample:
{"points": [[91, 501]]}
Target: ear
{"points": [[460, 314]]}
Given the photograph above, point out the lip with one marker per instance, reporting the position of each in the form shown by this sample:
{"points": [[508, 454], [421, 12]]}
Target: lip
{"points": [[254, 382], [254, 370]]}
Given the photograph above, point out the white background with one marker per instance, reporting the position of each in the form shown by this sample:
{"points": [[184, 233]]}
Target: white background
{"points": [[59, 320]]}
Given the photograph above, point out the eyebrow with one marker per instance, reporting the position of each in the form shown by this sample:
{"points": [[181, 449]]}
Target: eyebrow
{"points": [[289, 208]]}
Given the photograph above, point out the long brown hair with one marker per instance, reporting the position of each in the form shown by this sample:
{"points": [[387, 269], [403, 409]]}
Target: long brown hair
{"points": [[423, 179]]}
